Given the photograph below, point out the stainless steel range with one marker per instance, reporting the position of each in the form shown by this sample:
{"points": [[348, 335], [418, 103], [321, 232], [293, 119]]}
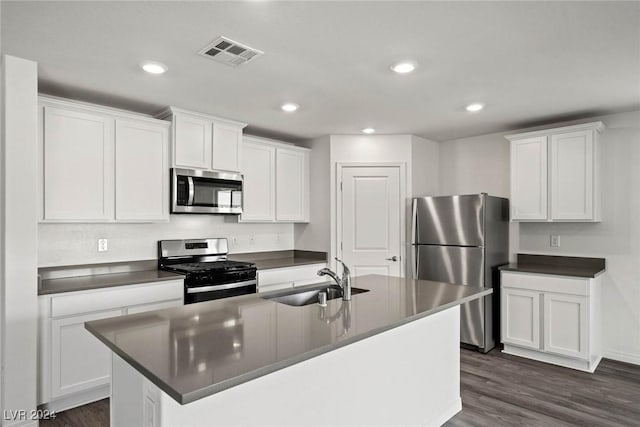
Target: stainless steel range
{"points": [[209, 275]]}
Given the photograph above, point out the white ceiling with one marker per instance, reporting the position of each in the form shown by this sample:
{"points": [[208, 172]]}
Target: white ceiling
{"points": [[530, 62]]}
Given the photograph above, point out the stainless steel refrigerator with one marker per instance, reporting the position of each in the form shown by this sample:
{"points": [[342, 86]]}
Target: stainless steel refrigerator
{"points": [[463, 240]]}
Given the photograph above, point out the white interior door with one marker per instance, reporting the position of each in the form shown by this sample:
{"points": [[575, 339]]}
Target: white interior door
{"points": [[370, 212]]}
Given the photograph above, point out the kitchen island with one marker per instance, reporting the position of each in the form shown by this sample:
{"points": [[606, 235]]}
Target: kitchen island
{"points": [[390, 356]]}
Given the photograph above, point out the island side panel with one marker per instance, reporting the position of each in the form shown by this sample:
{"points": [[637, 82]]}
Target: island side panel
{"points": [[409, 375]]}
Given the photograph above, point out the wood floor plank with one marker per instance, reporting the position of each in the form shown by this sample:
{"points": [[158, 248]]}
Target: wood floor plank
{"points": [[500, 390]]}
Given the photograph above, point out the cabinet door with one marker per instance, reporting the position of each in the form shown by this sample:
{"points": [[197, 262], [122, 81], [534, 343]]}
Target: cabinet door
{"points": [[565, 325], [259, 187], [78, 166], [521, 318], [192, 141], [79, 361], [529, 179], [571, 175], [292, 185], [142, 171], [227, 147]]}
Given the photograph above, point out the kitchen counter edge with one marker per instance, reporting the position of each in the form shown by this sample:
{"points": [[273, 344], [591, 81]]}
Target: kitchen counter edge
{"points": [[102, 281]]}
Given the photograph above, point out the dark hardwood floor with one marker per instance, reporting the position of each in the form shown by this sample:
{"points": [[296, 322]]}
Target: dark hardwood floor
{"points": [[502, 390], [92, 415]]}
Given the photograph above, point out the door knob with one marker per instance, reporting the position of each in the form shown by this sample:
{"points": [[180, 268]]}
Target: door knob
{"points": [[393, 258]]}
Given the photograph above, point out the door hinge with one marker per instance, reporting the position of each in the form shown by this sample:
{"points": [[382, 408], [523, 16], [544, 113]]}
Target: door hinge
{"points": [[340, 185], [340, 245]]}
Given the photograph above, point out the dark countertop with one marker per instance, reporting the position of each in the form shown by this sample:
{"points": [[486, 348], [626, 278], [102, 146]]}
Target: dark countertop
{"points": [[53, 280], [281, 259], [97, 281], [557, 265], [194, 351]]}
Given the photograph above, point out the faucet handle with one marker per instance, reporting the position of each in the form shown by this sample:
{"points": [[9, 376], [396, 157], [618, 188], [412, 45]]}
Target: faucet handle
{"points": [[345, 269]]}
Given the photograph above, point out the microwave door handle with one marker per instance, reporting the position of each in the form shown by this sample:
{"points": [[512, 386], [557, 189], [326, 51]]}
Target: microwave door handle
{"points": [[192, 191]]}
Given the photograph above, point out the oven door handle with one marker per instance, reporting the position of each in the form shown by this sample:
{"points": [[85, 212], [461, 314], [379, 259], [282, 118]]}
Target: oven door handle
{"points": [[221, 287]]}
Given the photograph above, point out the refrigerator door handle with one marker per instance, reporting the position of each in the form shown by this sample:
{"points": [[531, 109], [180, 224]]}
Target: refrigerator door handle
{"points": [[414, 222]]}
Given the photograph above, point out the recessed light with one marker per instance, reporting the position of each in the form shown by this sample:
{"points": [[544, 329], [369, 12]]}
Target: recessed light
{"points": [[154, 67], [476, 106], [289, 107], [368, 131], [404, 67]]}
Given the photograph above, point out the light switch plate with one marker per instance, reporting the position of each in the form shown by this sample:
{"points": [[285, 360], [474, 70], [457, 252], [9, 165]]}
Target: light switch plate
{"points": [[102, 245], [555, 241]]}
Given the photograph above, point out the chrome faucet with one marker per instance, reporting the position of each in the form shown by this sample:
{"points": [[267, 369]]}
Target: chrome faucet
{"points": [[344, 283]]}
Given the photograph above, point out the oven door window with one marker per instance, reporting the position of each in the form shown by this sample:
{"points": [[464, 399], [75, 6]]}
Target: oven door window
{"points": [[216, 193]]}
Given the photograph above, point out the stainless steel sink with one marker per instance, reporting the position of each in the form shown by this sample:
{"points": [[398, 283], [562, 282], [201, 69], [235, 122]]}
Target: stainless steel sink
{"points": [[300, 297]]}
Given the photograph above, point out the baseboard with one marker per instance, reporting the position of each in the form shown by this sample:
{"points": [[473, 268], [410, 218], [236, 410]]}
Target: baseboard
{"points": [[621, 356], [566, 362], [447, 415], [78, 399]]}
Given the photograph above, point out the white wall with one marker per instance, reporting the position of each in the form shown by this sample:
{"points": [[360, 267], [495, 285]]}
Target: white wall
{"points": [[425, 159], [19, 235], [481, 163], [314, 236], [475, 165], [70, 244]]}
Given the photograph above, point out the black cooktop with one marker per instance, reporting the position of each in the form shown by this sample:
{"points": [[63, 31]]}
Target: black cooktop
{"points": [[203, 267]]}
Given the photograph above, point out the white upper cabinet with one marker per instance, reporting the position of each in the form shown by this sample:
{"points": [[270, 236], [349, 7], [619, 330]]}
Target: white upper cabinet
{"points": [[227, 147], [192, 146], [554, 174], [78, 165], [292, 170], [259, 187], [205, 142], [276, 182], [571, 175], [142, 156], [529, 178], [102, 165]]}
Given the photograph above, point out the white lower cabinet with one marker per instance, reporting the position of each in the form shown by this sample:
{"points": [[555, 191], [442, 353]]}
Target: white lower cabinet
{"points": [[74, 366], [552, 319], [566, 322], [288, 277], [78, 360], [522, 308]]}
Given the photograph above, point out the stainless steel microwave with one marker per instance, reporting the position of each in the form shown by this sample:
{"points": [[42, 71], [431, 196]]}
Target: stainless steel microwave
{"points": [[196, 191]]}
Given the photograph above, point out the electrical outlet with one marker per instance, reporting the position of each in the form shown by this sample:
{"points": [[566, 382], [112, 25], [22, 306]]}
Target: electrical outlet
{"points": [[234, 241], [102, 245], [252, 240], [555, 241]]}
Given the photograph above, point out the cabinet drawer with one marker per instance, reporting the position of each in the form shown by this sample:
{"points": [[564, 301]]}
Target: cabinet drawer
{"points": [[289, 274], [108, 298], [545, 283]]}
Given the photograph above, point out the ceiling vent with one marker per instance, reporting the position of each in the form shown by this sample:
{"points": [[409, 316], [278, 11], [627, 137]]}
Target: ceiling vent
{"points": [[228, 52]]}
